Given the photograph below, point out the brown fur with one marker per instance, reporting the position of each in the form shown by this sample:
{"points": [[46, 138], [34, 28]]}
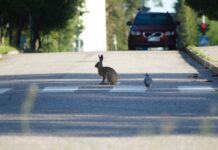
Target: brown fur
{"points": [[106, 72]]}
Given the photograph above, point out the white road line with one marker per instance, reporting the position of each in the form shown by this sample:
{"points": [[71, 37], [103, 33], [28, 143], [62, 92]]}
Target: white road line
{"points": [[196, 89], [94, 89], [59, 89], [128, 89], [4, 90]]}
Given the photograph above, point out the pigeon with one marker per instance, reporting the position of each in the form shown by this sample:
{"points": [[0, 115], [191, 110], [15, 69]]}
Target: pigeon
{"points": [[147, 80]]}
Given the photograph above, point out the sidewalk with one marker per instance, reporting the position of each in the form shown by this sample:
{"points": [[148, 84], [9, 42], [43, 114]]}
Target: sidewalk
{"points": [[176, 142], [207, 56]]}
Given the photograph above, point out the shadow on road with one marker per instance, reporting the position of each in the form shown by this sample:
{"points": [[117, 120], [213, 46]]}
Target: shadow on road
{"points": [[92, 110]]}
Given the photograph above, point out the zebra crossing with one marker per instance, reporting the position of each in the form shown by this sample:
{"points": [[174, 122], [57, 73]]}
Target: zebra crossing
{"points": [[110, 89], [117, 89], [59, 89], [196, 89], [4, 90], [127, 89]]}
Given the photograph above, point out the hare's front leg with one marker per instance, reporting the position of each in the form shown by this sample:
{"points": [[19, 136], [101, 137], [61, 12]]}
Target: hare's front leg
{"points": [[102, 82]]}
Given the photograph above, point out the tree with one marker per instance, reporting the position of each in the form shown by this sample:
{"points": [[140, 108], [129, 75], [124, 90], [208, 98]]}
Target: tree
{"points": [[207, 7], [116, 27], [187, 31], [60, 39], [118, 13], [53, 15], [43, 16], [213, 33]]}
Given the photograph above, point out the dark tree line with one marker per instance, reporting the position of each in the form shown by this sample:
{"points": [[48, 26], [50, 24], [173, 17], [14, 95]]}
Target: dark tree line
{"points": [[206, 7], [37, 17]]}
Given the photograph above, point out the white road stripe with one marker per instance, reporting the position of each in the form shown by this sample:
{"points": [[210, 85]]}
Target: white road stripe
{"points": [[196, 89], [4, 90], [59, 89], [128, 89]]}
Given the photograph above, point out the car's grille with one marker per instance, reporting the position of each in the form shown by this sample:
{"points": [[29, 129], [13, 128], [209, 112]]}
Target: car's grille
{"points": [[152, 34]]}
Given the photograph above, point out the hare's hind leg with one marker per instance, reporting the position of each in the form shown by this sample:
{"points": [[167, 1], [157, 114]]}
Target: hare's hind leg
{"points": [[109, 80]]}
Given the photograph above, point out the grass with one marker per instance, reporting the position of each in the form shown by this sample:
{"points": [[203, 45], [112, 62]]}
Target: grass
{"points": [[4, 49], [202, 54]]}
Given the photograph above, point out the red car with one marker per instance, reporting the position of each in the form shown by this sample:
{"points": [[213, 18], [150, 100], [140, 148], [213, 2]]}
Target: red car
{"points": [[150, 29]]}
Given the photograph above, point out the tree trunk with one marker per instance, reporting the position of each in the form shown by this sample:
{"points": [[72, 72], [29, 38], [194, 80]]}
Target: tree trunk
{"points": [[36, 39], [1, 29], [31, 32], [10, 34], [18, 35]]}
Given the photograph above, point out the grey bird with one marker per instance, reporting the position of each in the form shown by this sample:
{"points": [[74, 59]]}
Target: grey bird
{"points": [[147, 80]]}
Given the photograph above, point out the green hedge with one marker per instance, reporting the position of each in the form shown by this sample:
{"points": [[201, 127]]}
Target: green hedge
{"points": [[4, 49]]}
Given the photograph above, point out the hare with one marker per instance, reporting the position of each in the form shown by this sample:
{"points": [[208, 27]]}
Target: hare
{"points": [[106, 72]]}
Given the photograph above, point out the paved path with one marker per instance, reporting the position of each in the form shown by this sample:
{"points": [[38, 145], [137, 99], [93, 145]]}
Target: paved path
{"points": [[131, 143]]}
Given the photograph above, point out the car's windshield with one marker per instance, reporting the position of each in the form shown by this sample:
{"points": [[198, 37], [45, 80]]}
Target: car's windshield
{"points": [[153, 19]]}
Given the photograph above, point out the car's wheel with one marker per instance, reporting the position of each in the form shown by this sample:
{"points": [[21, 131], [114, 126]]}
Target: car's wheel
{"points": [[131, 47], [172, 47]]}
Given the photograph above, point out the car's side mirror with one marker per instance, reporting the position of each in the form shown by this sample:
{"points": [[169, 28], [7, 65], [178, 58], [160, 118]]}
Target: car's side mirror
{"points": [[129, 23]]}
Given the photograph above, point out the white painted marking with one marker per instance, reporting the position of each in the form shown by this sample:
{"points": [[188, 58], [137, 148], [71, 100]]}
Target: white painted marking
{"points": [[4, 90], [59, 89], [128, 89], [196, 89], [94, 89]]}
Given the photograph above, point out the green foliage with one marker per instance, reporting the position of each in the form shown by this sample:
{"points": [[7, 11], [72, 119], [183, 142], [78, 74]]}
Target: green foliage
{"points": [[116, 24], [207, 7], [61, 39], [118, 13], [188, 33], [42, 16], [213, 32], [4, 49]]}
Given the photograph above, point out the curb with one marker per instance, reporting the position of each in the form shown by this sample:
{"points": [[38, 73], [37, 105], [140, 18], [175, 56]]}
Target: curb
{"points": [[207, 64]]}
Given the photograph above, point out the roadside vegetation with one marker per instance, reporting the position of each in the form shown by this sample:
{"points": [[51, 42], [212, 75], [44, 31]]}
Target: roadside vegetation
{"points": [[45, 26], [5, 49], [189, 13], [201, 54], [39, 25]]}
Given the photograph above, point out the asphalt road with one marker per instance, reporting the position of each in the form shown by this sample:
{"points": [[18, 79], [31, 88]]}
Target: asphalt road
{"points": [[58, 95]]}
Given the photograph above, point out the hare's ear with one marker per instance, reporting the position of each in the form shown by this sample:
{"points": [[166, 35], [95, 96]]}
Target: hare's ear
{"points": [[101, 58]]}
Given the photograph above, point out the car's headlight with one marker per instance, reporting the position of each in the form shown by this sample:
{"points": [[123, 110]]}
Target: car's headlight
{"points": [[169, 33], [137, 33]]}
